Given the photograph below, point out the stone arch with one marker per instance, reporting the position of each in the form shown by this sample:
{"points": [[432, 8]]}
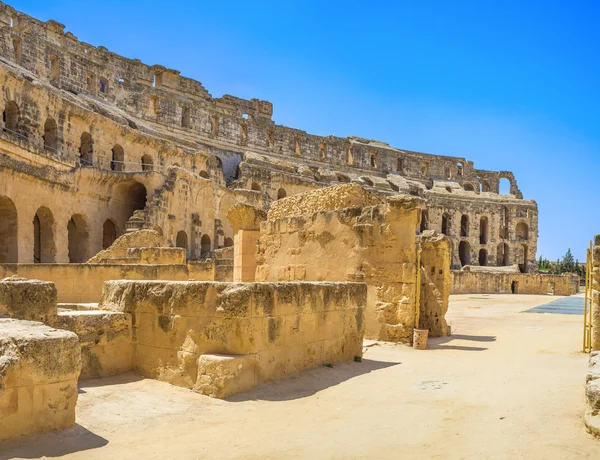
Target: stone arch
{"points": [[485, 186], [464, 225], [118, 158], [342, 177], [228, 242], [86, 149], [445, 223], [147, 163], [483, 230], [523, 256], [468, 188], [503, 255], [424, 220], [204, 174], [255, 186], [522, 231], [281, 193], [459, 168], [464, 252], [504, 186], [181, 240], [44, 247], [109, 233], [10, 117], [483, 257], [78, 235], [8, 231], [50, 134], [205, 245]]}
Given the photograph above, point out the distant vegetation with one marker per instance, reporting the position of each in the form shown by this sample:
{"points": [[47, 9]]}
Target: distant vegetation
{"points": [[565, 265]]}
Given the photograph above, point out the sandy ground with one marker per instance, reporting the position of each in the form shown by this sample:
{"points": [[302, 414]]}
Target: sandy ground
{"points": [[506, 385]]}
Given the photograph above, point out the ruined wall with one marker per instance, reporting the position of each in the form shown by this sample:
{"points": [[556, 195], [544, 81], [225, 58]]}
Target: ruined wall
{"points": [[465, 282], [224, 338]]}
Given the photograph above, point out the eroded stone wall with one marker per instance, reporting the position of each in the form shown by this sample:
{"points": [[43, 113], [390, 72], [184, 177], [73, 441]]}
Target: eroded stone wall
{"points": [[465, 282]]}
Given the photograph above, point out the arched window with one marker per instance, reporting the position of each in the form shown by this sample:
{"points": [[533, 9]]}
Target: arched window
{"points": [[464, 252], [424, 220], [504, 222], [373, 159], [85, 150], [18, 49], [504, 186], [228, 242], [464, 225], [8, 231], [281, 193], [44, 248], [523, 256], [469, 188], [50, 134], [483, 257], [78, 234], [323, 150], [400, 166], [147, 163], [182, 240], [256, 187], [203, 174], [10, 116], [54, 68], [485, 187], [205, 246], [459, 168], [243, 134], [522, 231], [103, 86], [118, 158], [185, 117], [109, 233], [349, 156], [445, 224], [483, 230], [503, 255], [342, 178]]}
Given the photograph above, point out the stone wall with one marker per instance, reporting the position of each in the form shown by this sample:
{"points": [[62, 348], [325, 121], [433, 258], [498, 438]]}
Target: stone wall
{"points": [[592, 395], [39, 367], [466, 282], [224, 338]]}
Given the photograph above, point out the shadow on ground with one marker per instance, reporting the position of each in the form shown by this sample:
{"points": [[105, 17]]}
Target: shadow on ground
{"points": [[439, 343], [57, 444], [310, 382]]}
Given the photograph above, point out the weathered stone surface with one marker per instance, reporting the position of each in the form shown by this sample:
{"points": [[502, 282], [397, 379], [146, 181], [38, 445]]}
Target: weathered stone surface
{"points": [[272, 329], [592, 395], [33, 300], [39, 367], [120, 249]]}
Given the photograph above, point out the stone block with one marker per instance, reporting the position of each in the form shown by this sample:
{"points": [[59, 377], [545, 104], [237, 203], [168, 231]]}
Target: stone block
{"points": [[31, 300], [220, 376], [39, 368]]}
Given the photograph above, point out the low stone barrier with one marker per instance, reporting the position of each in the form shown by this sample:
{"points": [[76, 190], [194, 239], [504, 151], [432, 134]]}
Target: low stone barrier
{"points": [[224, 338], [480, 282]]}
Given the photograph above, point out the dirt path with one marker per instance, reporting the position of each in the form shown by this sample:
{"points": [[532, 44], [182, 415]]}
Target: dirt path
{"points": [[506, 385]]}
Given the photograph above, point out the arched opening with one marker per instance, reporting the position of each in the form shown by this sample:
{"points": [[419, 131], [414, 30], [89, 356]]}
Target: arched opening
{"points": [[373, 158], [185, 117], [483, 230], [118, 158], [464, 225], [8, 231], [522, 231], [424, 220], [50, 134], [228, 242], [147, 163], [130, 196], [349, 156], [468, 188], [44, 248], [254, 186], [483, 257], [504, 223], [503, 255], [181, 240], [281, 193], [504, 186], [205, 246], [203, 174], [103, 86], [78, 235], [109, 233], [459, 168], [485, 187], [85, 150], [342, 178], [445, 224], [10, 117], [137, 196], [464, 252], [524, 254]]}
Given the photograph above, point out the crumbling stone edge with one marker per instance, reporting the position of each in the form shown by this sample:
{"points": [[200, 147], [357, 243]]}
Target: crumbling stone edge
{"points": [[591, 417]]}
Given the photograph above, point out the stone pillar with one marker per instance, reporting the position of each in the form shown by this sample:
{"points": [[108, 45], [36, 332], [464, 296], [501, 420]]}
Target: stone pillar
{"points": [[596, 296], [245, 220]]}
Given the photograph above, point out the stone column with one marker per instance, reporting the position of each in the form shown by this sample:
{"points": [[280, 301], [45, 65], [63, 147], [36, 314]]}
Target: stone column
{"points": [[596, 296], [245, 220]]}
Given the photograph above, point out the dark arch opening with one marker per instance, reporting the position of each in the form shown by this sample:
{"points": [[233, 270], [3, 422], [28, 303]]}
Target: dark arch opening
{"points": [[10, 116], [464, 252], [483, 257], [503, 255], [44, 248], [109, 233], [205, 245], [118, 158], [504, 186], [85, 150], [50, 134], [468, 188], [181, 241], [483, 230], [147, 163], [445, 223], [424, 220], [78, 235], [522, 231], [342, 178], [464, 225], [524, 254], [228, 242], [8, 231], [256, 187], [281, 193]]}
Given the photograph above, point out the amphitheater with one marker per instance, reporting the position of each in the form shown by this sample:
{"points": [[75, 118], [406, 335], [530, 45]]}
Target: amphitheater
{"points": [[152, 231]]}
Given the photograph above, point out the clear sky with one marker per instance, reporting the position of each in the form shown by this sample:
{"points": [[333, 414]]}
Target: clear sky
{"points": [[510, 85]]}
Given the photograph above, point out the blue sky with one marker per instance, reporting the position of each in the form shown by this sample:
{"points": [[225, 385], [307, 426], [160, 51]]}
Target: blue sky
{"points": [[510, 85]]}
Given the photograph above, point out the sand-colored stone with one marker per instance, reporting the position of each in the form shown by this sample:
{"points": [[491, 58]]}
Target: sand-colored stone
{"points": [[39, 367], [28, 299], [489, 282]]}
